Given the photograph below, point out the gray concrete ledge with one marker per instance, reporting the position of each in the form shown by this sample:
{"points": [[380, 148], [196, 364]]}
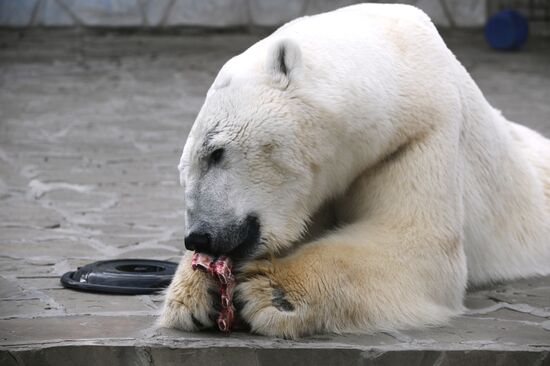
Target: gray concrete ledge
{"points": [[245, 355]]}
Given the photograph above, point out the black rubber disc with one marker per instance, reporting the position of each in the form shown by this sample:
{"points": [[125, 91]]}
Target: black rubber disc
{"points": [[121, 276]]}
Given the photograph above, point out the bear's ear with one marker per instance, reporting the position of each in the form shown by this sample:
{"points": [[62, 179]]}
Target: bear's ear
{"points": [[283, 58]]}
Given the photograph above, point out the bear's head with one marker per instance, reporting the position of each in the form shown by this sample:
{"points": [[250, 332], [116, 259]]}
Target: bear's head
{"points": [[263, 154], [246, 177]]}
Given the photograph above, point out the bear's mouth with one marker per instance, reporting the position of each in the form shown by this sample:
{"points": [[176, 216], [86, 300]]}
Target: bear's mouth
{"points": [[238, 239], [249, 233]]}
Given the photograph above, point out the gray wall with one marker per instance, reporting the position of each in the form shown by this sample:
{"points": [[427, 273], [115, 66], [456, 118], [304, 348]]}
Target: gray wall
{"points": [[205, 13]]}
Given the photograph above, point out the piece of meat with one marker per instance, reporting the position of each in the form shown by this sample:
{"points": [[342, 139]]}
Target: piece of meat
{"points": [[221, 269]]}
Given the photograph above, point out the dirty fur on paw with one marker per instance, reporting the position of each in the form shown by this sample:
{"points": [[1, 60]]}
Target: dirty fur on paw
{"points": [[279, 300]]}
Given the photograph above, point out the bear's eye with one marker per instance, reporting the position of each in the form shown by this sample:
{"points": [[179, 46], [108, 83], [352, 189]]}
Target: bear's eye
{"points": [[216, 156]]}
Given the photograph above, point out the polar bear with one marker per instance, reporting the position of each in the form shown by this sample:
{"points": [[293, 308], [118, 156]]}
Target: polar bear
{"points": [[360, 180]]}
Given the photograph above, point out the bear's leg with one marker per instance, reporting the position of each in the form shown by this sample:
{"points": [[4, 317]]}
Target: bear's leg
{"points": [[190, 303], [353, 282]]}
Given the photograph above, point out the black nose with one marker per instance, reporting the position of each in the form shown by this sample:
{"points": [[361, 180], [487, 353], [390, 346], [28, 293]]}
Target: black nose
{"points": [[199, 242]]}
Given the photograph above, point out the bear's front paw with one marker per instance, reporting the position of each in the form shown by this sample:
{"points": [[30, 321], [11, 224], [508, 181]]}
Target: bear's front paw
{"points": [[269, 302], [192, 301]]}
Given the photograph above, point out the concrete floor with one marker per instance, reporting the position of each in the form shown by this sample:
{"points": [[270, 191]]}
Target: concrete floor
{"points": [[91, 129]]}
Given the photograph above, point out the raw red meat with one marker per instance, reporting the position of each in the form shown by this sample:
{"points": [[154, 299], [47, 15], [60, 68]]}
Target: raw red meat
{"points": [[221, 269]]}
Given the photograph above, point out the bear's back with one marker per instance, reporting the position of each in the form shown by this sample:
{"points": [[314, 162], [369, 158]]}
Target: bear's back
{"points": [[353, 44]]}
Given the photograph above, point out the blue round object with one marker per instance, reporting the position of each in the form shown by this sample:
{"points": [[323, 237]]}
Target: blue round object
{"points": [[506, 30]]}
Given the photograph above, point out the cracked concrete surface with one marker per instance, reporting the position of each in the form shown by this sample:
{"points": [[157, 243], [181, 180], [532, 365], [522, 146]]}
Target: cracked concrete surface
{"points": [[91, 128]]}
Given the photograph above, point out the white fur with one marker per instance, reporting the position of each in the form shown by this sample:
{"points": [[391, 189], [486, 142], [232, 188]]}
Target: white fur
{"points": [[374, 117]]}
